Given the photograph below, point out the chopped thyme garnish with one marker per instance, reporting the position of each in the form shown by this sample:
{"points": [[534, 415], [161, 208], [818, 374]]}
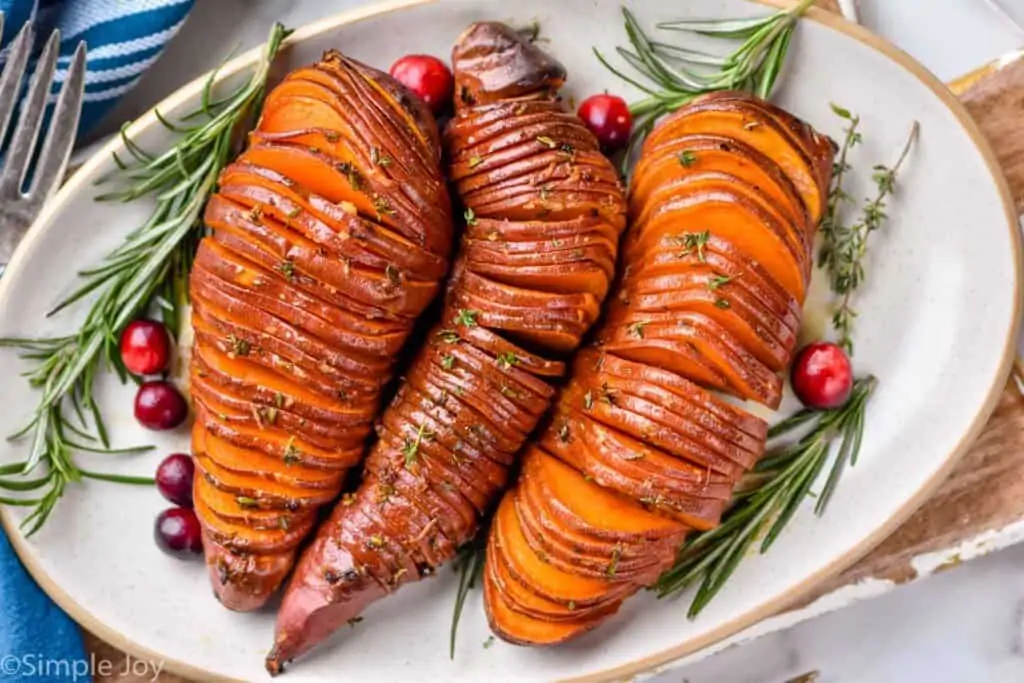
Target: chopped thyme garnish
{"points": [[375, 542], [239, 346], [563, 432], [751, 125], [287, 268], [722, 303], [447, 361], [687, 158], [378, 158], [692, 241], [355, 179], [411, 448], [588, 400], [546, 141], [291, 453], [448, 335], [332, 135], [466, 317], [507, 359], [470, 217], [613, 566], [247, 502], [637, 329], [393, 274], [294, 213], [717, 281], [382, 206], [475, 161]]}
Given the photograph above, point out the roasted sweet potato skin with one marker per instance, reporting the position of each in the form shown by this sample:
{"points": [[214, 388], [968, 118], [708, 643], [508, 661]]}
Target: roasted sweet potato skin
{"points": [[723, 206], [544, 211], [320, 260]]}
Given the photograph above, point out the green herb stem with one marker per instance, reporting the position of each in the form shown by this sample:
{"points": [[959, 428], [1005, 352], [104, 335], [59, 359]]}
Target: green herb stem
{"points": [[784, 479], [469, 565], [148, 269], [669, 74], [844, 248]]}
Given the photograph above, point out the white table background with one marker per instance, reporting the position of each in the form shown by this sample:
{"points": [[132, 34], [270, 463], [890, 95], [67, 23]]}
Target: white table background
{"points": [[963, 626]]}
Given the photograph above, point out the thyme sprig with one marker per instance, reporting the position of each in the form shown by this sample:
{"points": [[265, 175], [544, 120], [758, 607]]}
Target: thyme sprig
{"points": [[675, 75], [149, 268], [844, 248], [780, 482]]}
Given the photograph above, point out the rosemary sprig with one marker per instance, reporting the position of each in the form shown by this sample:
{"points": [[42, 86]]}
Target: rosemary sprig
{"points": [[844, 248], [149, 268], [469, 565], [672, 71], [783, 479]]}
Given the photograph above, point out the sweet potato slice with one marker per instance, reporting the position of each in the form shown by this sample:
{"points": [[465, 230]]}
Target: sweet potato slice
{"points": [[242, 581], [336, 227], [603, 460], [728, 214], [521, 629], [556, 521], [528, 568], [678, 385], [521, 599], [793, 233], [239, 413], [255, 463], [732, 119], [717, 295], [246, 538], [708, 461], [228, 507], [721, 153], [552, 550]]}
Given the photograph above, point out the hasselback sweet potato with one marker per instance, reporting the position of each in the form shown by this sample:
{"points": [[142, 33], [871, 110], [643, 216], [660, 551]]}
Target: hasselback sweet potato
{"points": [[320, 260], [724, 202], [544, 210]]}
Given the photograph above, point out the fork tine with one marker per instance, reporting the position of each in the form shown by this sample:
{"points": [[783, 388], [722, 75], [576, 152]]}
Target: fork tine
{"points": [[30, 119], [10, 80], [60, 137]]}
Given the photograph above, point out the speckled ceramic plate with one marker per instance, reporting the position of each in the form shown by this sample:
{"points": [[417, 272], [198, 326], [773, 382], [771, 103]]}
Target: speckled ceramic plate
{"points": [[938, 318]]}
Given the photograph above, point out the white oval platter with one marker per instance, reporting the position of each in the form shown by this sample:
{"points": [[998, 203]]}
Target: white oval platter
{"points": [[939, 315]]}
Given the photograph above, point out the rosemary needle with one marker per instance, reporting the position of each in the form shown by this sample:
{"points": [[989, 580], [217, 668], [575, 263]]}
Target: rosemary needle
{"points": [[469, 565], [783, 481], [149, 268], [672, 76]]}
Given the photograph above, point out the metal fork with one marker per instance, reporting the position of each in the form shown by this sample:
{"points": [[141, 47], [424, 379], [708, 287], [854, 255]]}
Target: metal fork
{"points": [[19, 208]]}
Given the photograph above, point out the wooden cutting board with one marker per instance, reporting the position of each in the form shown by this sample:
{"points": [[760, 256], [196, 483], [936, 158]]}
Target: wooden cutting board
{"points": [[976, 508]]}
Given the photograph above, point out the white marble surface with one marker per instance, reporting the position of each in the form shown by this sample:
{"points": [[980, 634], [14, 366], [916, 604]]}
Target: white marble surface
{"points": [[962, 626]]}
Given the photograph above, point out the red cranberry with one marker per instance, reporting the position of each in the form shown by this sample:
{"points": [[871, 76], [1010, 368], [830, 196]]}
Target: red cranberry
{"points": [[822, 377], [426, 76], [174, 479], [159, 405], [608, 118], [145, 347], [177, 533]]}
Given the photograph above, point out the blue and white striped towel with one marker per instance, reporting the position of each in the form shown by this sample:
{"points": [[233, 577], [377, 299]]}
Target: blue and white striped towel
{"points": [[38, 642], [124, 37]]}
